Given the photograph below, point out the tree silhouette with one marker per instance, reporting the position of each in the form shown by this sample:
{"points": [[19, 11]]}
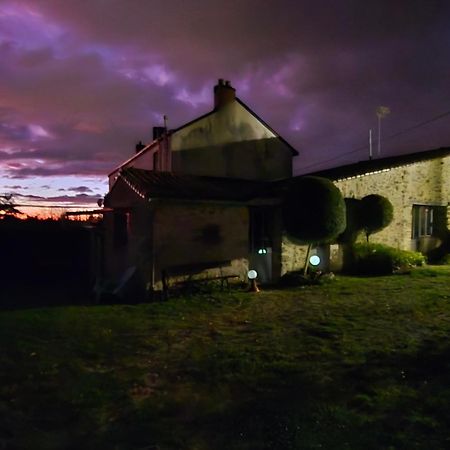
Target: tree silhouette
{"points": [[7, 207]]}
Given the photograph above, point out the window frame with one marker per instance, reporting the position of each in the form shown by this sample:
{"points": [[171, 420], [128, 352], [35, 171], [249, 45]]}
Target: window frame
{"points": [[422, 221]]}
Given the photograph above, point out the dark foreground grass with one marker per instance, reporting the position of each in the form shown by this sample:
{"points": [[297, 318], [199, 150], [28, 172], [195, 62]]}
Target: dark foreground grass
{"points": [[353, 364]]}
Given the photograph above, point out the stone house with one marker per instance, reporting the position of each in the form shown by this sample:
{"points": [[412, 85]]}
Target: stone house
{"points": [[200, 198], [418, 186], [205, 199]]}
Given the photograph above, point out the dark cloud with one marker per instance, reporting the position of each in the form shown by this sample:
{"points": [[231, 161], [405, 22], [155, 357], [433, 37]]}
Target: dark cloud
{"points": [[81, 189], [79, 199], [75, 199], [15, 187]]}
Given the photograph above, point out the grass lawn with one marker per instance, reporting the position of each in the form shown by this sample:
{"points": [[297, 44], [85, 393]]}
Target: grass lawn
{"points": [[358, 363]]}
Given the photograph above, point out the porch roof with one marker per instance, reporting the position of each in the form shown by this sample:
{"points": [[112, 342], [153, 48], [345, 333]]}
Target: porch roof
{"points": [[153, 184]]}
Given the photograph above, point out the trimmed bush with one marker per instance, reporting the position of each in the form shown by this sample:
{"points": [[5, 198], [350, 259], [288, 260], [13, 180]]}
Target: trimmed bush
{"points": [[376, 213], [379, 259], [313, 210]]}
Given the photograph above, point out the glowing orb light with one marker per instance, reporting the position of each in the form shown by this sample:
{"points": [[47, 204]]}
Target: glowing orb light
{"points": [[252, 274], [314, 260]]}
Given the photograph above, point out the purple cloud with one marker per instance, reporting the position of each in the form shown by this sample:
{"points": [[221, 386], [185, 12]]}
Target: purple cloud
{"points": [[81, 85]]}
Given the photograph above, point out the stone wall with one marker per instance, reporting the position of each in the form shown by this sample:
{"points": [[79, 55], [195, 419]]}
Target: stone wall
{"points": [[426, 182], [200, 235], [292, 255]]}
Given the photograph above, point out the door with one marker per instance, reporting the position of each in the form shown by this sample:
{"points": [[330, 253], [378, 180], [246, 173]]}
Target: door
{"points": [[261, 242]]}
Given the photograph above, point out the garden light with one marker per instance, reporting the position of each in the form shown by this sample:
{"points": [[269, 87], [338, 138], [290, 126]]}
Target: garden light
{"points": [[252, 274], [314, 260]]}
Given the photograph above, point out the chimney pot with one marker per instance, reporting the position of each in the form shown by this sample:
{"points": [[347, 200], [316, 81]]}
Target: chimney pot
{"points": [[158, 132], [139, 146]]}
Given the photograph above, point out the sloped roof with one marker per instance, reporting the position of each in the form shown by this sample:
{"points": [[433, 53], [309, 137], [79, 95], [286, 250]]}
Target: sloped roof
{"points": [[375, 165], [135, 156], [151, 144], [153, 184]]}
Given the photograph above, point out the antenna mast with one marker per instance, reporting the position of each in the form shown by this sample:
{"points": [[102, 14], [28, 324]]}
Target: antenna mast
{"points": [[382, 112]]}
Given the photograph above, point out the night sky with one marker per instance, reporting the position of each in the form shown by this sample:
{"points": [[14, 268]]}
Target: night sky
{"points": [[82, 81]]}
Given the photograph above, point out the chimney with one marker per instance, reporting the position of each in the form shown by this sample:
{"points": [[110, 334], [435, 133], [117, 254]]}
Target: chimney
{"points": [[139, 146], [224, 93], [158, 132]]}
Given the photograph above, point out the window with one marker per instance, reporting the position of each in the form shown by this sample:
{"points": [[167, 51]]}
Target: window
{"points": [[423, 220], [429, 220]]}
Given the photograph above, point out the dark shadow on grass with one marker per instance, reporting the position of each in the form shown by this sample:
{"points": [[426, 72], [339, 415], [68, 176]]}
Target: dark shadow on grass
{"points": [[400, 401], [289, 410]]}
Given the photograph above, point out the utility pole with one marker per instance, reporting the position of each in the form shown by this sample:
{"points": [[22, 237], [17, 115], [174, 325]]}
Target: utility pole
{"points": [[382, 112], [370, 143]]}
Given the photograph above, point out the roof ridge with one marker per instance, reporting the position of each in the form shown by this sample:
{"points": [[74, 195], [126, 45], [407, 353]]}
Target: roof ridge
{"points": [[382, 163]]}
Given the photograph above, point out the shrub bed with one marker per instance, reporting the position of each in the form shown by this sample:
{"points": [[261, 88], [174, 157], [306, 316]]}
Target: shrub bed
{"points": [[379, 259]]}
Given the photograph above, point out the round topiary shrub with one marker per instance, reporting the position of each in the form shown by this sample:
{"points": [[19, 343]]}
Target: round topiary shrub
{"points": [[313, 210], [376, 213]]}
